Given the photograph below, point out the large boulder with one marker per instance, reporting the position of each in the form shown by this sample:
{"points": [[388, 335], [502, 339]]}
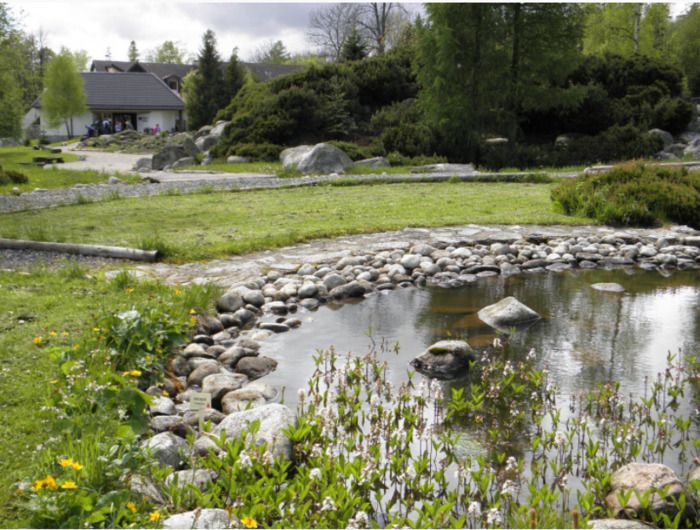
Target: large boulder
{"points": [[230, 302], [321, 158], [666, 137], [204, 143], [255, 367], [218, 129], [639, 481], [143, 164], [446, 359], [617, 524], [376, 163], [202, 518], [507, 313], [171, 153], [273, 418]]}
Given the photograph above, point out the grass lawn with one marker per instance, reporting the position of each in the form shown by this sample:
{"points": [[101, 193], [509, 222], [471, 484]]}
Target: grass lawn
{"points": [[205, 226], [275, 168], [42, 303], [51, 177]]}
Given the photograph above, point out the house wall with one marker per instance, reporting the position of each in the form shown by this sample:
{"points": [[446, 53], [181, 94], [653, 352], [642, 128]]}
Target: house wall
{"points": [[166, 119]]}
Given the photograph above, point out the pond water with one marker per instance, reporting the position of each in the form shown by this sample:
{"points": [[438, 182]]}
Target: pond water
{"points": [[585, 336]]}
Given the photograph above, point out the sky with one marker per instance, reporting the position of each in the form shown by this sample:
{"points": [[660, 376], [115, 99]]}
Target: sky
{"points": [[96, 25]]}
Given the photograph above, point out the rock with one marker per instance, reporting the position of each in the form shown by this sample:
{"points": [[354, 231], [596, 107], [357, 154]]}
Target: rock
{"points": [[254, 297], [273, 418], [143, 164], [507, 313], [166, 448], [144, 487], [321, 158], [201, 518], [307, 290], [641, 480], [239, 400], [666, 137], [184, 161], [309, 303], [221, 383], [195, 350], [234, 159], [231, 356], [208, 325], [256, 367], [114, 180], [204, 130], [608, 287], [376, 162], [166, 423], [162, 406], [219, 128], [349, 290], [616, 524], [203, 444], [411, 261], [275, 327], [204, 143], [446, 359], [333, 280], [199, 478], [173, 152], [230, 302], [196, 376]]}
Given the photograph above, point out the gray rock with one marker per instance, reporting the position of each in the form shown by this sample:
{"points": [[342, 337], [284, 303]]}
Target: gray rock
{"points": [[349, 290], [196, 376], [144, 487], [333, 280], [617, 524], [446, 359], [310, 303], [230, 302], [411, 261], [239, 400], [273, 418], [195, 350], [204, 143], [254, 297], [201, 518], [166, 448], [184, 161], [199, 478], [174, 152], [608, 287], [231, 356], [256, 367], [640, 480], [218, 129], [166, 423], [507, 313], [204, 130], [376, 162], [291, 156], [322, 158], [666, 137], [162, 406], [143, 164], [204, 444], [275, 327], [307, 290], [234, 159], [219, 384], [114, 180]]}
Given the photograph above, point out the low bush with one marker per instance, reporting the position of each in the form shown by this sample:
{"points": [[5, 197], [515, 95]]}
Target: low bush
{"points": [[354, 151], [257, 152], [634, 194], [10, 176], [397, 159]]}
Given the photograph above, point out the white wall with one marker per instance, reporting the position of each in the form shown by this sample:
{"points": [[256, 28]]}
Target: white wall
{"points": [[79, 123], [166, 119]]}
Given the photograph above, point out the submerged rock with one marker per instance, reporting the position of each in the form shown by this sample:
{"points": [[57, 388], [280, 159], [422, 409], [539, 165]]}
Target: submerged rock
{"points": [[507, 313], [608, 287], [446, 359]]}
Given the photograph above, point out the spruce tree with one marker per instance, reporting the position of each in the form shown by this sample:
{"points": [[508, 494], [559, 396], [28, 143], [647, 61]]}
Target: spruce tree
{"points": [[133, 52], [208, 85], [234, 77], [354, 48]]}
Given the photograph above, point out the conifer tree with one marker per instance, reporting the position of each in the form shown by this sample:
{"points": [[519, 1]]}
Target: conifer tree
{"points": [[208, 94], [133, 52]]}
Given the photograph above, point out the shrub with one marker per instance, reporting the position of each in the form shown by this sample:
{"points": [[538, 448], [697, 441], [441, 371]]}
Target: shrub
{"points": [[257, 152], [397, 159], [10, 176], [634, 194], [354, 151]]}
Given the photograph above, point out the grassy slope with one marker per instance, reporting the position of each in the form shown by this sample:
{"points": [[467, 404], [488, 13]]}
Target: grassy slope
{"points": [[15, 157], [204, 226]]}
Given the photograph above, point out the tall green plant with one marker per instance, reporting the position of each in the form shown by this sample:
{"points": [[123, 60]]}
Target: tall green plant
{"points": [[208, 94], [64, 94]]}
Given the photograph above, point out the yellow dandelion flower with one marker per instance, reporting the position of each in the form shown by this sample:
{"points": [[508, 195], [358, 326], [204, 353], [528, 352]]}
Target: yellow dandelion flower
{"points": [[37, 485], [65, 462], [76, 346], [65, 334], [77, 466], [131, 507], [55, 381], [96, 330], [165, 393], [130, 290], [69, 485], [132, 373], [37, 340], [154, 517], [50, 482], [249, 522], [53, 334], [178, 292], [193, 312]]}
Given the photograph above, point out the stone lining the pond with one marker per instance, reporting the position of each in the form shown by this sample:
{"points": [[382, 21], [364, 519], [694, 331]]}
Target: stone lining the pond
{"points": [[447, 257]]}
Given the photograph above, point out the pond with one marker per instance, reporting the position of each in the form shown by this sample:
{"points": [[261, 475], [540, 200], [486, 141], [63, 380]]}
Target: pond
{"points": [[585, 336]]}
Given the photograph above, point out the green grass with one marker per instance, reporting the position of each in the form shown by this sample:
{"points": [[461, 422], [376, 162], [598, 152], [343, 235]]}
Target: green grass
{"points": [[51, 177], [67, 301], [206, 226], [268, 168]]}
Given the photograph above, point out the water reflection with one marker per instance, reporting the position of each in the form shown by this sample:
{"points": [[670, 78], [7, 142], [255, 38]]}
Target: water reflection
{"points": [[585, 336]]}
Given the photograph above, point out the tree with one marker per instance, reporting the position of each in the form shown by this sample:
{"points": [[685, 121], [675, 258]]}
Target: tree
{"points": [[354, 48], [168, 52], [331, 26], [207, 94], [272, 53], [64, 95], [133, 52], [376, 20], [685, 46], [80, 58], [234, 77]]}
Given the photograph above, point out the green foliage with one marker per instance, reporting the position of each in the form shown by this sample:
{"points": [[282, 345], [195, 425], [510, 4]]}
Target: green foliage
{"points": [[272, 53], [354, 151], [10, 176], [64, 95], [634, 194], [207, 92], [234, 78], [398, 159], [168, 52], [133, 52], [354, 47], [257, 152], [685, 45]]}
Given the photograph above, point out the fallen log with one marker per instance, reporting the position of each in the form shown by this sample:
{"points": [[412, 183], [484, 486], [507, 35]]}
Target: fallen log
{"points": [[133, 254]]}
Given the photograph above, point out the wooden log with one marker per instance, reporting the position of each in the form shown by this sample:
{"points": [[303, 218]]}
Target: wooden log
{"points": [[102, 251]]}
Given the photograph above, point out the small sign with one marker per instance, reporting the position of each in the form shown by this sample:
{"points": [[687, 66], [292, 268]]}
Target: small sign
{"points": [[200, 401]]}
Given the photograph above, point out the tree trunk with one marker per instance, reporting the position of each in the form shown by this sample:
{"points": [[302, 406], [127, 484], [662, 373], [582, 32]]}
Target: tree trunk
{"points": [[83, 250], [637, 26], [513, 102]]}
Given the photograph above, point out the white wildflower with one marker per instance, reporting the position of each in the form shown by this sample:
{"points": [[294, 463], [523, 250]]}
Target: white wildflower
{"points": [[328, 505], [362, 519], [497, 343], [508, 488], [531, 355], [493, 517], [560, 439], [244, 460], [474, 509], [511, 464], [315, 474], [301, 394]]}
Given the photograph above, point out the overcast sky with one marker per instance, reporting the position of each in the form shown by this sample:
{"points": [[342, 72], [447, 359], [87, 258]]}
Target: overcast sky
{"points": [[96, 25]]}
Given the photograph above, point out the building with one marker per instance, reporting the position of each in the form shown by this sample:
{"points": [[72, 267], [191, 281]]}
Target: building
{"points": [[140, 100]]}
